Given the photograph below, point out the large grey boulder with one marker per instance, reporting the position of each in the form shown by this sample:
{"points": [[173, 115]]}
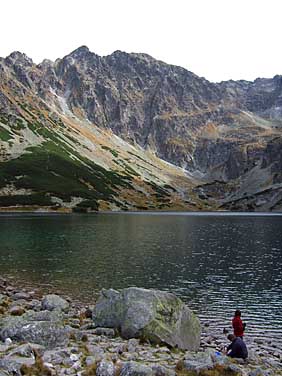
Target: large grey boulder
{"points": [[53, 301], [153, 315], [44, 328]]}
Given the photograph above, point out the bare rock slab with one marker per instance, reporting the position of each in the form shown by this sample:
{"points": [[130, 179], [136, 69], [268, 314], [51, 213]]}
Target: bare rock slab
{"points": [[44, 328]]}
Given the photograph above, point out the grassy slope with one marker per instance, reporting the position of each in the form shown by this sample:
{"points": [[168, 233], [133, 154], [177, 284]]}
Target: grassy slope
{"points": [[50, 171]]}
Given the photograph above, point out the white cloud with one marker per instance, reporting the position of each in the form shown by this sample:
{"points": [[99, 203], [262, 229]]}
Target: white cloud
{"points": [[217, 39]]}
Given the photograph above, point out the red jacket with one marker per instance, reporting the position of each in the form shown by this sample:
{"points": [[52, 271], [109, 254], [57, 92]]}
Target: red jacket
{"points": [[238, 326]]}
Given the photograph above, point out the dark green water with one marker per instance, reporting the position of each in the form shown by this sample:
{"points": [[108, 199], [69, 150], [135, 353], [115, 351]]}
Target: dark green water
{"points": [[217, 263]]}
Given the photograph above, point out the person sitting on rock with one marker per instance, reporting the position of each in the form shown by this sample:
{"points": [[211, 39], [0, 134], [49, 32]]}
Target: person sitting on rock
{"points": [[237, 324], [237, 347]]}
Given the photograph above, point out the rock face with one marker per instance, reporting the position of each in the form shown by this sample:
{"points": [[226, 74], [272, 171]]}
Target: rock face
{"points": [[227, 136], [153, 315]]}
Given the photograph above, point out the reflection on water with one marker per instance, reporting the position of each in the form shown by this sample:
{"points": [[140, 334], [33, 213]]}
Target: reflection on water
{"points": [[216, 263]]}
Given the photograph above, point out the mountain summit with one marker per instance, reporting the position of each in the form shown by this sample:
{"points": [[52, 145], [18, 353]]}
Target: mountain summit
{"points": [[126, 131]]}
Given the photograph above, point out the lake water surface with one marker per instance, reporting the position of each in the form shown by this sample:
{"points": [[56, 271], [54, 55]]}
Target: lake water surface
{"points": [[216, 263]]}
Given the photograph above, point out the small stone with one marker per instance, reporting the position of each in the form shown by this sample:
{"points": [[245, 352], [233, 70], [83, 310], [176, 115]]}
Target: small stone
{"points": [[3, 299], [257, 372], [121, 348], [34, 304], [21, 295], [162, 371], [96, 351], [88, 313], [74, 357], [105, 368], [259, 341], [273, 363], [136, 369], [3, 282], [10, 289], [239, 360], [88, 326], [130, 356], [197, 361], [48, 365], [234, 369], [57, 357], [16, 311], [76, 365], [8, 341], [27, 349], [3, 348], [132, 344], [74, 323], [108, 332], [90, 360]]}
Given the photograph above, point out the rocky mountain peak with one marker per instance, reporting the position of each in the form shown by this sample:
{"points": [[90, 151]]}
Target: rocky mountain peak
{"points": [[18, 58], [81, 58], [80, 52], [46, 63]]}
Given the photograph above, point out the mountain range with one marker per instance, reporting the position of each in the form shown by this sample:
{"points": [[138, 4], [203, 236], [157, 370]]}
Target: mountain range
{"points": [[129, 132]]}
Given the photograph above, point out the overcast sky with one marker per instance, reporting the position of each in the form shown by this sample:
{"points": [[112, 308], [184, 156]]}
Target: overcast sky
{"points": [[217, 39]]}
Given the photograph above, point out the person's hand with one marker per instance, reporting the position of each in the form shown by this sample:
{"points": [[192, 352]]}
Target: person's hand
{"points": [[223, 349]]}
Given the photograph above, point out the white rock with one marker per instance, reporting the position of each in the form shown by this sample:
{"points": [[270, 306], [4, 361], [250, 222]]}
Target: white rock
{"points": [[8, 341], [74, 357]]}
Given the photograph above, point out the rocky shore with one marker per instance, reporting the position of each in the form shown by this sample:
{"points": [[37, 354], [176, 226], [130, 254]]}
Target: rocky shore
{"points": [[51, 335]]}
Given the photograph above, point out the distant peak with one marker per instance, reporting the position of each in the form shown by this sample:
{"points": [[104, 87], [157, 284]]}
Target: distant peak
{"points": [[119, 52], [19, 57], [46, 63], [80, 51]]}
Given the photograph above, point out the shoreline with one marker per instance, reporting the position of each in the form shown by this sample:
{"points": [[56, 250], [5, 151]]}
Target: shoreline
{"points": [[24, 300], [68, 211]]}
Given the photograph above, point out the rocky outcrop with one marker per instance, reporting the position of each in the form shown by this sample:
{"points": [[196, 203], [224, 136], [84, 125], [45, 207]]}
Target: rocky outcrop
{"points": [[152, 315]]}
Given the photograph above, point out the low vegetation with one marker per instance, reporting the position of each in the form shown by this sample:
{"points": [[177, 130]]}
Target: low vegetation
{"points": [[51, 170]]}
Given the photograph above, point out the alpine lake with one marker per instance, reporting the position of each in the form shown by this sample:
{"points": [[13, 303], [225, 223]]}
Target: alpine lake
{"points": [[215, 262]]}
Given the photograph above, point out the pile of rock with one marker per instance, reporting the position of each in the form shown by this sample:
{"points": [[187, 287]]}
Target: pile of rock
{"points": [[128, 333]]}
